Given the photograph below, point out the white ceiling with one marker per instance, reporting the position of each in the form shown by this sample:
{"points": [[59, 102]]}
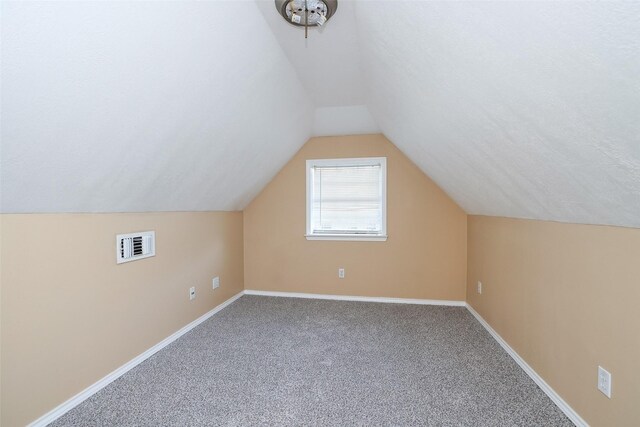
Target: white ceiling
{"points": [[514, 108], [328, 61], [518, 109], [347, 120], [143, 106]]}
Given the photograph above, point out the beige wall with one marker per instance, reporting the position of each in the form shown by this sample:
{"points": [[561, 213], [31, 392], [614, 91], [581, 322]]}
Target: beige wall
{"points": [[70, 315], [424, 256], [566, 298]]}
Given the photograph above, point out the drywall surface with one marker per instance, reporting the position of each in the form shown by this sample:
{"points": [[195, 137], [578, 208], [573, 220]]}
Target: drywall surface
{"points": [[71, 315], [565, 297], [143, 106], [328, 61], [518, 109], [424, 256], [350, 120]]}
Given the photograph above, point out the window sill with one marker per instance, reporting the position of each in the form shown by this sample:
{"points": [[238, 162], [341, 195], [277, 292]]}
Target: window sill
{"points": [[347, 237]]}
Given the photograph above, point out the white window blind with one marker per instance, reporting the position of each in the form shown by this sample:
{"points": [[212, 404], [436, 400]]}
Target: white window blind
{"points": [[346, 197]]}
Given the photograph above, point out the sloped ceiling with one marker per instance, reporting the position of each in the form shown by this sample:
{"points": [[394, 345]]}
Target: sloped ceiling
{"points": [[515, 109], [328, 66], [143, 106], [519, 109]]}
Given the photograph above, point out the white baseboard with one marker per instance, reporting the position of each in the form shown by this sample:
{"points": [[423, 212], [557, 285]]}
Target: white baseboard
{"points": [[555, 397], [60, 410], [356, 298]]}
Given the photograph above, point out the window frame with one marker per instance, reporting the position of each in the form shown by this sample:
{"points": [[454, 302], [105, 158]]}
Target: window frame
{"points": [[348, 162]]}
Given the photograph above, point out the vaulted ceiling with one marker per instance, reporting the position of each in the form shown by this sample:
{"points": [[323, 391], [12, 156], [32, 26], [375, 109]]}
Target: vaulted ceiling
{"points": [[520, 109]]}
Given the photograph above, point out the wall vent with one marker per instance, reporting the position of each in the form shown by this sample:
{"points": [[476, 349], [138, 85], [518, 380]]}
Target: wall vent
{"points": [[133, 246]]}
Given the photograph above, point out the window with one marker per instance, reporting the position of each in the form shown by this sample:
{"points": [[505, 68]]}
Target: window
{"points": [[346, 199]]}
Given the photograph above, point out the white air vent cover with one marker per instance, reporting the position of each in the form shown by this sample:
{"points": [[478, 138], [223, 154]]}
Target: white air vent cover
{"points": [[133, 246]]}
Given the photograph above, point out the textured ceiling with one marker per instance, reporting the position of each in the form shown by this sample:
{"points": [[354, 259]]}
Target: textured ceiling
{"points": [[515, 109], [143, 106], [328, 62], [519, 109]]}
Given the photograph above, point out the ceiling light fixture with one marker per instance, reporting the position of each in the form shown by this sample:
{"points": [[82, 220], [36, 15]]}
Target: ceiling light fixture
{"points": [[306, 13]]}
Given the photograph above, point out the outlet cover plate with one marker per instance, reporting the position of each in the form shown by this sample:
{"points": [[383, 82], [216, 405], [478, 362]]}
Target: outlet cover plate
{"points": [[604, 381], [216, 282]]}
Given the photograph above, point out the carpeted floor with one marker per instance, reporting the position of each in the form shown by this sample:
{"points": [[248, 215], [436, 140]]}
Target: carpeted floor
{"points": [[285, 361]]}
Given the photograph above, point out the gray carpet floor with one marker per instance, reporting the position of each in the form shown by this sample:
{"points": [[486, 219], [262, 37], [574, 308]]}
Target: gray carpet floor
{"points": [[285, 361]]}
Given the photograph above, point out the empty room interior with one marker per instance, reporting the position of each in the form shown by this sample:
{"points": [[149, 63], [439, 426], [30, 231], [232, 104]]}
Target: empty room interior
{"points": [[320, 213]]}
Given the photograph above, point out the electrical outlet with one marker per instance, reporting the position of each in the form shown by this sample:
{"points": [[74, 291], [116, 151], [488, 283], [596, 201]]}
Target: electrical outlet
{"points": [[192, 293], [604, 381], [341, 273], [479, 287], [216, 282]]}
